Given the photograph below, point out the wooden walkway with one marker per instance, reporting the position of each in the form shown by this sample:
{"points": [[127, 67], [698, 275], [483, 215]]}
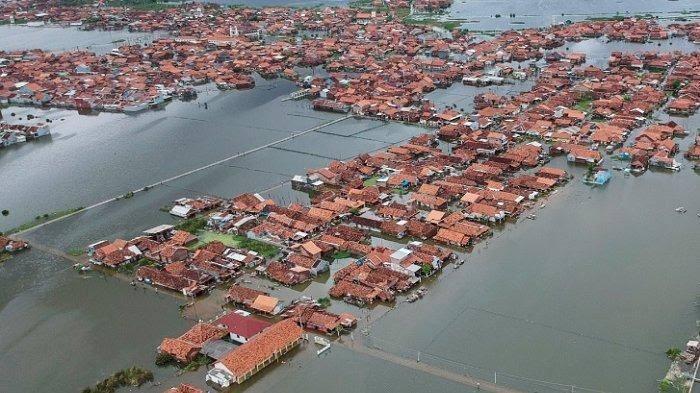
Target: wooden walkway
{"points": [[466, 380]]}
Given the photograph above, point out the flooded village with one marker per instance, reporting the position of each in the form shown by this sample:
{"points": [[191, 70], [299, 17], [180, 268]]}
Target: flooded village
{"points": [[315, 255]]}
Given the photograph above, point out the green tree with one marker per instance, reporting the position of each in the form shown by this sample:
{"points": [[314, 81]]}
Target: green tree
{"points": [[5, 212], [163, 359], [324, 302], [590, 171]]}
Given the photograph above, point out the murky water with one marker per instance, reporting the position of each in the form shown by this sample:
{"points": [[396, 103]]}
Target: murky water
{"points": [[494, 14], [23, 37], [591, 293]]}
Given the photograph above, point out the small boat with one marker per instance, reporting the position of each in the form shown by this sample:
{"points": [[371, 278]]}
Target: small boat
{"points": [[617, 168], [681, 209], [531, 217]]}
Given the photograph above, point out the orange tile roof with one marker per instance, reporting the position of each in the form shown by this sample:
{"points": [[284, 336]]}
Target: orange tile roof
{"points": [[264, 345]]}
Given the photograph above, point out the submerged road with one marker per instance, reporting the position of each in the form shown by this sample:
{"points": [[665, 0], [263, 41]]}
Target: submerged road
{"points": [[190, 172], [466, 380]]}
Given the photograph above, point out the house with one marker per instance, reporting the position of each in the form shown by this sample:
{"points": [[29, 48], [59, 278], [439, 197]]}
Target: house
{"points": [[187, 346], [256, 354], [311, 316], [245, 296], [584, 155], [241, 328], [183, 211], [314, 265], [451, 237], [484, 212], [311, 250], [267, 305]]}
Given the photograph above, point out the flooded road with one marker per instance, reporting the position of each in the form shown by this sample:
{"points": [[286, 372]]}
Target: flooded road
{"points": [[590, 294]]}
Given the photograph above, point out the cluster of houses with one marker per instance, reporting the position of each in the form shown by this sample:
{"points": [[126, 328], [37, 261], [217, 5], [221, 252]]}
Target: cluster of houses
{"points": [[11, 134], [161, 257], [414, 191], [580, 110], [378, 65], [654, 146], [234, 363], [241, 344], [685, 83]]}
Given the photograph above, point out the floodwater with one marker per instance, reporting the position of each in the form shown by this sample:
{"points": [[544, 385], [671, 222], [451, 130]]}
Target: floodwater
{"points": [[24, 37], [590, 294], [484, 14]]}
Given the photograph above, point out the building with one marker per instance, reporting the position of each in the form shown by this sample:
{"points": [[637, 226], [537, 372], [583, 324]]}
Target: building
{"points": [[256, 354], [241, 328], [187, 346]]}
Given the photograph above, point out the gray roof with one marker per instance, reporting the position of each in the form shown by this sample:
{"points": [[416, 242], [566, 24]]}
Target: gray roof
{"points": [[158, 229], [216, 349]]}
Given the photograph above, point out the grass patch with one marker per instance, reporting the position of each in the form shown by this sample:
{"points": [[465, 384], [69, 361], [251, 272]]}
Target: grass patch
{"points": [[206, 237], [38, 220], [447, 25], [264, 249], [584, 105], [342, 254], [192, 225], [236, 241], [371, 181]]}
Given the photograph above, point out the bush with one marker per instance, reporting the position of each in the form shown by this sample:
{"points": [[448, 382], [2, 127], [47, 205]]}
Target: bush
{"points": [[164, 359], [673, 353], [324, 302], [133, 376]]}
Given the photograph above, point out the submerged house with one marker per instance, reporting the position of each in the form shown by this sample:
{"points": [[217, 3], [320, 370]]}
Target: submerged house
{"points": [[262, 350]]}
